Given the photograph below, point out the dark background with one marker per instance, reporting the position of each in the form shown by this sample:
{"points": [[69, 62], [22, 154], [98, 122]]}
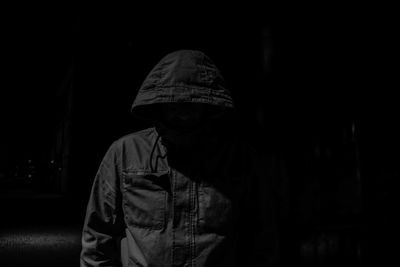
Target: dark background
{"points": [[312, 85]]}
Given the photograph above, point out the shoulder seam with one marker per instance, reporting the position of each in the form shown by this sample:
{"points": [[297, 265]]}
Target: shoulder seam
{"points": [[134, 134]]}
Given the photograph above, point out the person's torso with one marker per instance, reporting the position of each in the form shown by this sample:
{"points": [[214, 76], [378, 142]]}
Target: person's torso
{"points": [[179, 211]]}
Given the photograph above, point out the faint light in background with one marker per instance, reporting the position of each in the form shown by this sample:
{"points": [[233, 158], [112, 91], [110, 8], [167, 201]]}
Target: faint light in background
{"points": [[39, 239], [40, 247], [52, 239], [267, 50]]}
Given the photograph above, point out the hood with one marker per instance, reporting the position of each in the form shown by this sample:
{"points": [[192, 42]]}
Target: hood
{"points": [[182, 76]]}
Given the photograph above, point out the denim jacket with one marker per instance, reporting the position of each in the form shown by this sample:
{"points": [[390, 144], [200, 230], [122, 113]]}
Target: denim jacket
{"points": [[151, 207]]}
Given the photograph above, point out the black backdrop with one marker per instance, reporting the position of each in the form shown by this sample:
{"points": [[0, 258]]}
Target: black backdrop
{"points": [[299, 77]]}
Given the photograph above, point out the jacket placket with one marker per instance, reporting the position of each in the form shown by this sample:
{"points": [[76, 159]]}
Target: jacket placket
{"points": [[184, 220]]}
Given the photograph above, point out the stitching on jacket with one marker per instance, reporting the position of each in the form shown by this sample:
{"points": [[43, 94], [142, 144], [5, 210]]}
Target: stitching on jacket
{"points": [[173, 217], [193, 223], [125, 203]]}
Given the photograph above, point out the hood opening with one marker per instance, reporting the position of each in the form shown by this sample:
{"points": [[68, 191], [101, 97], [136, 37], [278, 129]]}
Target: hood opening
{"points": [[153, 112], [185, 76]]}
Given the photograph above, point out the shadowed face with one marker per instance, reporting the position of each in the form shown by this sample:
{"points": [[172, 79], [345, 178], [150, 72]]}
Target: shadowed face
{"points": [[183, 116], [184, 126]]}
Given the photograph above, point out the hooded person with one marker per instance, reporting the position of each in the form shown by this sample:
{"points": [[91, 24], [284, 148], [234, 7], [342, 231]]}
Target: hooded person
{"points": [[188, 191]]}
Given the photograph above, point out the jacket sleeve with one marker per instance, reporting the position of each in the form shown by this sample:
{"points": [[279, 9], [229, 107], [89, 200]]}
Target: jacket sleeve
{"points": [[103, 226]]}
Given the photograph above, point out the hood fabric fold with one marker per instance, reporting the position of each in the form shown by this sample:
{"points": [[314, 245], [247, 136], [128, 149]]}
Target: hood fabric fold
{"points": [[183, 76]]}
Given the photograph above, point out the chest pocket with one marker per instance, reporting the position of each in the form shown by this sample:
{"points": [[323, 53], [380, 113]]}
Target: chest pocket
{"points": [[145, 199]]}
